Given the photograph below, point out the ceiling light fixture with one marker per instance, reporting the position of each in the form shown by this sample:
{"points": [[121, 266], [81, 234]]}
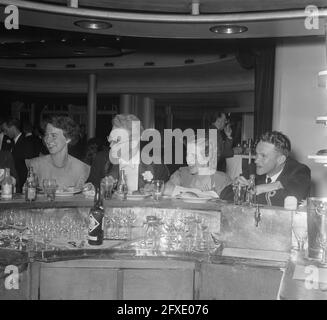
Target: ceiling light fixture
{"points": [[93, 24], [79, 52], [228, 29]]}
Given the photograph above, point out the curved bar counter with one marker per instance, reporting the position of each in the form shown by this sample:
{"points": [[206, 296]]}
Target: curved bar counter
{"points": [[213, 250]]}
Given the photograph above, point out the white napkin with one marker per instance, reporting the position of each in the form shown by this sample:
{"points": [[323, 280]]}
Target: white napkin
{"points": [[179, 191]]}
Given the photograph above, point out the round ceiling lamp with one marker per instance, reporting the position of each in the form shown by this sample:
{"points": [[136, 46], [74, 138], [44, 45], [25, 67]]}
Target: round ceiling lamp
{"points": [[93, 24], [228, 29]]}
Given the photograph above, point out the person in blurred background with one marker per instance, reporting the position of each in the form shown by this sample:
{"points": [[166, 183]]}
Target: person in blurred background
{"points": [[92, 148], [59, 165], [201, 171], [5, 142], [38, 146], [22, 149], [224, 139]]}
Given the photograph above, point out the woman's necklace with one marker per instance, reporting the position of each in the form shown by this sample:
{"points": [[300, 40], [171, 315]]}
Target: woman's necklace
{"points": [[60, 167]]}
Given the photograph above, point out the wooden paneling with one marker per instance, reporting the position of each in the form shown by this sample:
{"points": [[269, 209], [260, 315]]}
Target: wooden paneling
{"points": [[78, 283], [159, 284], [226, 282], [15, 294]]}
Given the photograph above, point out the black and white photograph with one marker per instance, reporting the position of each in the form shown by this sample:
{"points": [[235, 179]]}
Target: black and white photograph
{"points": [[162, 154]]}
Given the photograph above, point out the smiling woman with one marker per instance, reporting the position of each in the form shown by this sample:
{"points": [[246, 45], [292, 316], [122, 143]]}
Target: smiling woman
{"points": [[59, 165]]}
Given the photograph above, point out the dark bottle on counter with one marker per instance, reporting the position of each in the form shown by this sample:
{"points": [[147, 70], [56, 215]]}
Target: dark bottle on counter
{"points": [[96, 217], [30, 187]]}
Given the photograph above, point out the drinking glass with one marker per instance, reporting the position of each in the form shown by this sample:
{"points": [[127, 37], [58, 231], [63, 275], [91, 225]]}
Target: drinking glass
{"points": [[50, 186], [157, 189], [239, 193], [107, 186], [299, 226], [322, 237]]}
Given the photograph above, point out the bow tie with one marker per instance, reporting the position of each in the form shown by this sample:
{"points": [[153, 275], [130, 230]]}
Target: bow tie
{"points": [[269, 180]]}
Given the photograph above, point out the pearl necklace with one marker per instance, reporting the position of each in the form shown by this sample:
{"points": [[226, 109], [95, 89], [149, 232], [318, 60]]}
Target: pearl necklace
{"points": [[60, 167]]}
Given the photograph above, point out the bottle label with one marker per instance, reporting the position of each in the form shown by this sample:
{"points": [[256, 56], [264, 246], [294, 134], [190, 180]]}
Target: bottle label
{"points": [[92, 238], [93, 223], [6, 191]]}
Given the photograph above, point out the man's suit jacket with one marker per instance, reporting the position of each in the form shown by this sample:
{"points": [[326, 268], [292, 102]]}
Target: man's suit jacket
{"points": [[7, 161], [7, 143], [295, 178], [22, 149], [159, 172], [224, 149], [38, 146], [296, 181], [99, 167]]}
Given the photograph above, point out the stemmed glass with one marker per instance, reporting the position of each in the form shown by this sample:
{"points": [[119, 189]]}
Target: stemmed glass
{"points": [[116, 219], [50, 186], [322, 237], [299, 226], [131, 218], [157, 189], [20, 225]]}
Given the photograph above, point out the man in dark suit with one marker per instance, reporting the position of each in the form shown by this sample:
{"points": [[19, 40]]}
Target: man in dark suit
{"points": [[21, 150], [38, 146], [224, 140], [5, 142], [277, 174]]}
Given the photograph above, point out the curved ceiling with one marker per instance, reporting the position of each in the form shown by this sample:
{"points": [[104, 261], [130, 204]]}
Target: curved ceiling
{"points": [[184, 6], [169, 37]]}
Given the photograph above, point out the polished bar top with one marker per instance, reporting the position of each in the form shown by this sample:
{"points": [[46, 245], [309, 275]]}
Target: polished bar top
{"points": [[80, 200]]}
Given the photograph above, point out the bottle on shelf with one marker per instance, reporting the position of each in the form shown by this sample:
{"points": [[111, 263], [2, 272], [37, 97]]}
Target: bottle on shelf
{"points": [[30, 187], [122, 189], [96, 221], [7, 186]]}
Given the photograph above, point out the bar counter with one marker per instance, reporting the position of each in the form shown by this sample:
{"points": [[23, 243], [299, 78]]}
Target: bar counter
{"points": [[243, 257]]}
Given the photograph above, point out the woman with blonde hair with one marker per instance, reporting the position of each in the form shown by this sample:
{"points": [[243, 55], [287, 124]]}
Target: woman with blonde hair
{"points": [[201, 171]]}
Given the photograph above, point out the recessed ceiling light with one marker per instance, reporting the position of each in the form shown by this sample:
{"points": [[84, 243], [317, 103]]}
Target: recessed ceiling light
{"points": [[189, 61], [25, 54], [93, 24], [42, 41], [228, 29], [149, 64], [79, 52], [63, 40]]}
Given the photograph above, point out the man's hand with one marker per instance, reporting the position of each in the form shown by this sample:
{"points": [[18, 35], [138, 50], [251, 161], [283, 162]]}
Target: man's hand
{"points": [[228, 131], [241, 181]]}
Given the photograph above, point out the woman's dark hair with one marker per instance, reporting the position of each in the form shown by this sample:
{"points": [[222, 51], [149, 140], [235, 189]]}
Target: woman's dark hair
{"points": [[67, 125]]}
